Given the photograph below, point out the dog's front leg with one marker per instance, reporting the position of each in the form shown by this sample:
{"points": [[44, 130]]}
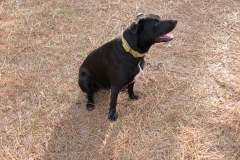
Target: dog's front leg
{"points": [[113, 103], [131, 93]]}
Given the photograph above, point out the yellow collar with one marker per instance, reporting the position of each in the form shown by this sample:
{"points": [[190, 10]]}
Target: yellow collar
{"points": [[130, 50]]}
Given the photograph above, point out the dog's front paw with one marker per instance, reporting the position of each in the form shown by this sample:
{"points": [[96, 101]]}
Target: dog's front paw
{"points": [[133, 96], [89, 106], [113, 116]]}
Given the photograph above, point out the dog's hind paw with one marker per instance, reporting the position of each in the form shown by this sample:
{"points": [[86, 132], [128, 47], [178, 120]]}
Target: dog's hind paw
{"points": [[89, 106], [133, 96], [113, 116]]}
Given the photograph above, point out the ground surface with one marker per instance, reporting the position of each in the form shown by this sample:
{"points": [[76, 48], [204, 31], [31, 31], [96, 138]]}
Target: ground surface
{"points": [[189, 106]]}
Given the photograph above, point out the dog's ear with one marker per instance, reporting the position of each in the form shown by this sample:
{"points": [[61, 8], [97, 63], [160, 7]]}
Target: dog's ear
{"points": [[140, 16], [133, 28], [137, 23]]}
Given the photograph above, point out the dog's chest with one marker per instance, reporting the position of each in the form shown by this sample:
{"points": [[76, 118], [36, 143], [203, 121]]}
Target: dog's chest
{"points": [[140, 71]]}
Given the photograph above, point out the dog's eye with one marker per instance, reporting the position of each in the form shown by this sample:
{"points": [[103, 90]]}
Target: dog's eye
{"points": [[157, 23]]}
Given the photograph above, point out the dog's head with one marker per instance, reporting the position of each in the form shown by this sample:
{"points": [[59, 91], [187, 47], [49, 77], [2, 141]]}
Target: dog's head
{"points": [[152, 29]]}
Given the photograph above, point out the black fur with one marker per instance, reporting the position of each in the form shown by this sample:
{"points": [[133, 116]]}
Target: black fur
{"points": [[111, 67]]}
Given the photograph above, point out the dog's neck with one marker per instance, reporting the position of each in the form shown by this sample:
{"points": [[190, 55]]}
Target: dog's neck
{"points": [[130, 50], [136, 43]]}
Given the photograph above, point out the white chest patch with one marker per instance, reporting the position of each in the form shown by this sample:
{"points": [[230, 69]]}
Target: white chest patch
{"points": [[140, 71]]}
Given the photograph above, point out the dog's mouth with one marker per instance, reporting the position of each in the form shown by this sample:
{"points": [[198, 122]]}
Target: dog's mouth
{"points": [[165, 38]]}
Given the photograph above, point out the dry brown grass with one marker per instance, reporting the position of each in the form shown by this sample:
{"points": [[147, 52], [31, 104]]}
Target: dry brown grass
{"points": [[189, 106]]}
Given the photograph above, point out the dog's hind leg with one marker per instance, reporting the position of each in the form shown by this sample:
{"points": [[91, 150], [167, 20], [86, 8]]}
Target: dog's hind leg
{"points": [[85, 83], [90, 103]]}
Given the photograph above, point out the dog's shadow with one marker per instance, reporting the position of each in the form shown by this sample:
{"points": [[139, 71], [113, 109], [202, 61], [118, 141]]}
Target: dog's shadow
{"points": [[81, 134]]}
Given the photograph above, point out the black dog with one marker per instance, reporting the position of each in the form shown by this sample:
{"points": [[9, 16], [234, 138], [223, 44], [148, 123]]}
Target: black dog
{"points": [[117, 63]]}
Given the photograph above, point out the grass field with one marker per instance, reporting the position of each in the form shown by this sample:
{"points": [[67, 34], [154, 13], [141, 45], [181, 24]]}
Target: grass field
{"points": [[189, 105]]}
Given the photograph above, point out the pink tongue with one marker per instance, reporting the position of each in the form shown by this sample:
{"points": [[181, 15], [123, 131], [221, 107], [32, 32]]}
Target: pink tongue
{"points": [[167, 36]]}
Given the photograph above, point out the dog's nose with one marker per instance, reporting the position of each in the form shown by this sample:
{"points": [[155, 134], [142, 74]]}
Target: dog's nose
{"points": [[174, 21]]}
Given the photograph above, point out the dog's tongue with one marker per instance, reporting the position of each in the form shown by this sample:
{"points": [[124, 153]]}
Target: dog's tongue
{"points": [[166, 37]]}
